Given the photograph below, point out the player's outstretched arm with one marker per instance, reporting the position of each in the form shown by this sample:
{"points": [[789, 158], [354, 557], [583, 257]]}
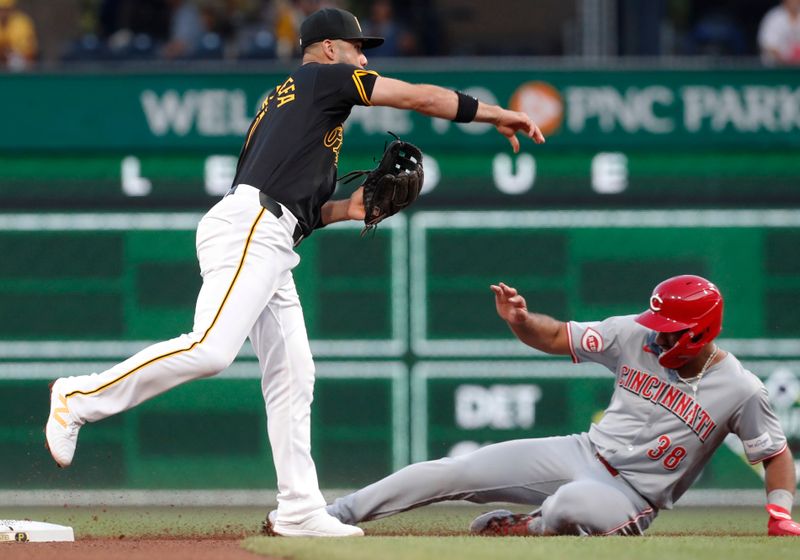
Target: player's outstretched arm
{"points": [[436, 101], [534, 329], [346, 209], [780, 482]]}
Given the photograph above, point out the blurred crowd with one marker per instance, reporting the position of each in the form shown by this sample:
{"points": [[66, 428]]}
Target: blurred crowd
{"points": [[18, 44], [779, 34], [138, 30], [125, 30], [209, 29]]}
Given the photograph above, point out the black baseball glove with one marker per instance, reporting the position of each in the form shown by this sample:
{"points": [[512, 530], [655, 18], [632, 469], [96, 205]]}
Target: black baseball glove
{"points": [[393, 185]]}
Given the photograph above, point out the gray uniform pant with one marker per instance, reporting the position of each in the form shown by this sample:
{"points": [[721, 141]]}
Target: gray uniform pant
{"points": [[578, 495]]}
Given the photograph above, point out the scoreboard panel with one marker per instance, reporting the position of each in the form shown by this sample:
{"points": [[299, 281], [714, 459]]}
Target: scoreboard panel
{"points": [[211, 433], [79, 287], [645, 173], [465, 179], [587, 265], [459, 406], [133, 277]]}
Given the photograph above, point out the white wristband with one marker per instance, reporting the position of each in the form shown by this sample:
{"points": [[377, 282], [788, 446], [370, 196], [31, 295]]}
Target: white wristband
{"points": [[782, 498]]}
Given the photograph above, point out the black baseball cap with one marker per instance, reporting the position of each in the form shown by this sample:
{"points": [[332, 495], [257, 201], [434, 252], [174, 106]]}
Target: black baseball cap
{"points": [[333, 23]]}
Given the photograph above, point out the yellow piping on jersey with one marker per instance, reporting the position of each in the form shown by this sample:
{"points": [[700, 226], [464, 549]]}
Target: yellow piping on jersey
{"points": [[194, 344], [257, 120], [253, 128], [362, 92]]}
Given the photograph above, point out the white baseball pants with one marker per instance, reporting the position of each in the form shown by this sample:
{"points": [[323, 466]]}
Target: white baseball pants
{"points": [[246, 257]]}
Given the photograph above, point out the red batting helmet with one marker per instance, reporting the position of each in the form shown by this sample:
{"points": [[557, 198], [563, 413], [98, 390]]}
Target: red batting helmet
{"points": [[689, 303]]}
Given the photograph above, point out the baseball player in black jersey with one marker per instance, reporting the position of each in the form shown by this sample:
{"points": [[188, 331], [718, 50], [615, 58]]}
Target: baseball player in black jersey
{"points": [[245, 245]]}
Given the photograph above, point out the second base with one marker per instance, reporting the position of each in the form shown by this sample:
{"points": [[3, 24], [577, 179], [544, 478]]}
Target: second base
{"points": [[34, 531]]}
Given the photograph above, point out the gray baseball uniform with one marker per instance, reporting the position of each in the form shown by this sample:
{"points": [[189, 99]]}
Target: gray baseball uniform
{"points": [[654, 439]]}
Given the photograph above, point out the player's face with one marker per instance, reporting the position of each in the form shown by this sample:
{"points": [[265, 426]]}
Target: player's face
{"points": [[667, 340], [350, 52]]}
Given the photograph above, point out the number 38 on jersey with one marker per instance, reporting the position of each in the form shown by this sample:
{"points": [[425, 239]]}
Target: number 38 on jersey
{"points": [[672, 456]]}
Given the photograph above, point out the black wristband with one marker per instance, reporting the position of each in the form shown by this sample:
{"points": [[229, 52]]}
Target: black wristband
{"points": [[467, 108]]}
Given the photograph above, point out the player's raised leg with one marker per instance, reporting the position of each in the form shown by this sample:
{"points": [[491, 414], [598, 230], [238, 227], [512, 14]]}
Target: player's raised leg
{"points": [[236, 286]]}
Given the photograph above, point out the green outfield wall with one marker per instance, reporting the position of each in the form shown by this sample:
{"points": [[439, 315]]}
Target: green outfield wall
{"points": [[645, 174], [634, 137], [579, 108], [413, 362]]}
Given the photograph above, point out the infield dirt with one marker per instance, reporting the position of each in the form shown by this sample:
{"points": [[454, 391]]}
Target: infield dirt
{"points": [[131, 549]]}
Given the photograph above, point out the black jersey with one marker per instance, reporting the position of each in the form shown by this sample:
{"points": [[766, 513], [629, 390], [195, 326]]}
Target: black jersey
{"points": [[292, 147]]}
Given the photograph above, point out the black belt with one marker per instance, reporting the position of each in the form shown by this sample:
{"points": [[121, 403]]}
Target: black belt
{"points": [[274, 207]]}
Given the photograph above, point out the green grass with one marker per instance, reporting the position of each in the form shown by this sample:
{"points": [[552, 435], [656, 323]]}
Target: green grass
{"points": [[707, 534], [438, 533], [530, 548], [449, 520], [100, 522]]}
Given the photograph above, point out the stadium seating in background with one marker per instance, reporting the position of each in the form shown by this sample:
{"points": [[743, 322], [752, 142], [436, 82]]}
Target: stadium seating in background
{"points": [[210, 47], [88, 48], [717, 36], [258, 46], [130, 46], [120, 47]]}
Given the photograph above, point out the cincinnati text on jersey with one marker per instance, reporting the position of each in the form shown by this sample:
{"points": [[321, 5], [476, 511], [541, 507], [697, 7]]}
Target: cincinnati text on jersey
{"points": [[670, 397]]}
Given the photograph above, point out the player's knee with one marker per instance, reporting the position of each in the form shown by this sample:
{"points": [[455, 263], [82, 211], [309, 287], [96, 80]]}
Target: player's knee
{"points": [[305, 369], [215, 359], [568, 512]]}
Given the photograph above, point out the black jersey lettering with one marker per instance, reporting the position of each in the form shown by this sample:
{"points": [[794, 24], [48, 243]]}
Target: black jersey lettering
{"points": [[284, 99], [257, 119], [286, 86], [293, 145], [333, 140], [285, 92]]}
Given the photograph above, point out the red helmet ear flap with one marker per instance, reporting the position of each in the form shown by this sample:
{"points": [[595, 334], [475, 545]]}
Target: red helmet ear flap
{"points": [[677, 356]]}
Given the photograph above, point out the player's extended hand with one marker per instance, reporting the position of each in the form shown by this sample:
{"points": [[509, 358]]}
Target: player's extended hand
{"points": [[508, 123], [780, 523], [355, 205], [510, 305]]}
